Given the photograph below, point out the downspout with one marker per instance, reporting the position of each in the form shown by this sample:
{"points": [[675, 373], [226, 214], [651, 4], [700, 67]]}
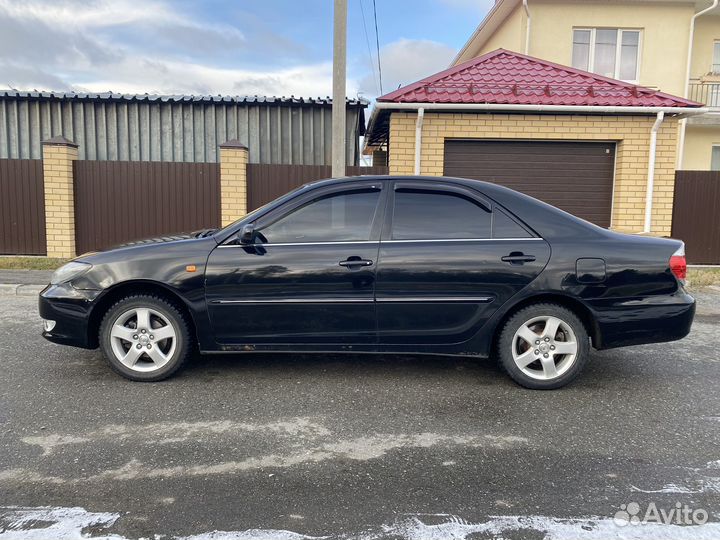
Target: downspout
{"points": [[418, 138], [527, 26], [683, 122], [651, 171]]}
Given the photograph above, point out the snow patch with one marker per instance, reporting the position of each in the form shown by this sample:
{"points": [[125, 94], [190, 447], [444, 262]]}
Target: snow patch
{"points": [[41, 523], [589, 528], [45, 522]]}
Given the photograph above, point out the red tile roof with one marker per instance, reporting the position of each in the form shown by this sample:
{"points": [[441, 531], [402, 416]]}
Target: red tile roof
{"points": [[506, 77]]}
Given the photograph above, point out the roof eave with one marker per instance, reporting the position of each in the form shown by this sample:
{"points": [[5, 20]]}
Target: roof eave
{"points": [[596, 109], [176, 98], [388, 107], [500, 11]]}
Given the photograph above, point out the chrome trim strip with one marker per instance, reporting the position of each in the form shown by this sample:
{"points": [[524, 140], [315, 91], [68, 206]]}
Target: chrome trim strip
{"points": [[461, 240], [402, 299], [353, 242], [435, 299], [296, 301]]}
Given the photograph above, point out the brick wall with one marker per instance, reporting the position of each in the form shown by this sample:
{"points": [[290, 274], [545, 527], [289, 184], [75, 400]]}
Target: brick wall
{"points": [[59, 154], [58, 157], [233, 181], [631, 133]]}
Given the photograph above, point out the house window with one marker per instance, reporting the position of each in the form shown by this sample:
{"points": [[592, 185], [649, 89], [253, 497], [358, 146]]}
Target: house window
{"points": [[715, 68], [715, 159], [611, 52]]}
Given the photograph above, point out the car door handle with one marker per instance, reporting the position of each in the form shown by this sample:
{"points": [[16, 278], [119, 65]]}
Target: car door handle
{"points": [[352, 262], [517, 258]]}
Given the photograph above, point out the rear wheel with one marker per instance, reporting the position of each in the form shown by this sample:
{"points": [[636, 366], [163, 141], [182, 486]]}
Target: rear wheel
{"points": [[543, 346], [144, 338]]}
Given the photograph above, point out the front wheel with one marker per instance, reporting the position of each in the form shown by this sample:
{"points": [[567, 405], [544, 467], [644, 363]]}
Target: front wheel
{"points": [[144, 338], [543, 346]]}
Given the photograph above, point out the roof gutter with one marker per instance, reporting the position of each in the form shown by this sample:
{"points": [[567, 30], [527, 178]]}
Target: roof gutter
{"points": [[678, 112], [684, 111], [691, 38], [527, 27]]}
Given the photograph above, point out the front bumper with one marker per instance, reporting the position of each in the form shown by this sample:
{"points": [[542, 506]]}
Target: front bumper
{"points": [[70, 309], [647, 320]]}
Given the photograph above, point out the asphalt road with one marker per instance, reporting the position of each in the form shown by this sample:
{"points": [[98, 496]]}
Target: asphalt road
{"points": [[366, 447]]}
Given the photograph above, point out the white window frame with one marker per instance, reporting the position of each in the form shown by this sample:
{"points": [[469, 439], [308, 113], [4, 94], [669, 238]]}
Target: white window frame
{"points": [[713, 69], [712, 148], [618, 50]]}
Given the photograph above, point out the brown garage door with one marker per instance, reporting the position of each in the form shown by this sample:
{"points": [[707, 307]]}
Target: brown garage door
{"points": [[574, 176]]}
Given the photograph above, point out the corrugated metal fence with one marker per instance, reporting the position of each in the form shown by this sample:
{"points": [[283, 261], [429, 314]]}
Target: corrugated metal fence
{"points": [[268, 182], [120, 201], [22, 207], [175, 128], [696, 215]]}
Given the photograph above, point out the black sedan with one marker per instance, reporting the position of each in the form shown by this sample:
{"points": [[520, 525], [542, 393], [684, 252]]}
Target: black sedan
{"points": [[386, 264]]}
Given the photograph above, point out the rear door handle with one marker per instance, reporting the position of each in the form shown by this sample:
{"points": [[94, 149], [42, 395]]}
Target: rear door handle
{"points": [[517, 258], [352, 262]]}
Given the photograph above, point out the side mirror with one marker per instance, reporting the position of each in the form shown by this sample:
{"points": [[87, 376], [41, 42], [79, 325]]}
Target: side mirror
{"points": [[247, 234]]}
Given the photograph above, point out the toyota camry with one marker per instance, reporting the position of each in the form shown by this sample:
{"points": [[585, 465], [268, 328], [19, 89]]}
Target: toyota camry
{"points": [[378, 264]]}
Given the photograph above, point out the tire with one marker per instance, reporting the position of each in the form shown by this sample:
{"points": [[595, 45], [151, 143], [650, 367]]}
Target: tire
{"points": [[530, 342], [129, 342]]}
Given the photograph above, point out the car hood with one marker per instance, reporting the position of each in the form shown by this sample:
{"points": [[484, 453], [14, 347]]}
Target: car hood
{"points": [[149, 247], [155, 240], [164, 239]]}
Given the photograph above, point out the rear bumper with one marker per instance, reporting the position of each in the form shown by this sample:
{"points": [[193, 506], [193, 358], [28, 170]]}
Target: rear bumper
{"points": [[647, 320], [70, 309]]}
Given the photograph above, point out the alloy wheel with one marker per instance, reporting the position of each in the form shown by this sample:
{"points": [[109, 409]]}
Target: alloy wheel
{"points": [[143, 339], [544, 348]]}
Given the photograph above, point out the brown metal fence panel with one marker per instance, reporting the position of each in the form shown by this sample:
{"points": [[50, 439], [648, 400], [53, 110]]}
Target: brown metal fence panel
{"points": [[268, 182], [22, 207], [120, 201], [696, 215]]}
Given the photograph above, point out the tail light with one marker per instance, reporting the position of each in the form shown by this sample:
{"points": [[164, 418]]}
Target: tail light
{"points": [[678, 265]]}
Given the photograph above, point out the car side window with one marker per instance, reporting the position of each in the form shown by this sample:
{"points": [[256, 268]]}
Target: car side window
{"points": [[338, 217], [506, 227], [438, 215]]}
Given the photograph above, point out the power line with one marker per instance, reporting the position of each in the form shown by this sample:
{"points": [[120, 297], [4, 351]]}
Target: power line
{"points": [[377, 45], [367, 42]]}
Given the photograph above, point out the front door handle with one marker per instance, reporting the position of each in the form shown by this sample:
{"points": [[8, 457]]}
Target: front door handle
{"points": [[517, 257], [352, 262]]}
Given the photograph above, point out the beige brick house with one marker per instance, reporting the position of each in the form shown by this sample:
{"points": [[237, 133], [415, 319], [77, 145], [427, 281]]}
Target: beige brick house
{"points": [[670, 45], [600, 148]]}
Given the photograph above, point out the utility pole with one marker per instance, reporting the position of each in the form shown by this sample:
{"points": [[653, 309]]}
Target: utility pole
{"points": [[338, 98]]}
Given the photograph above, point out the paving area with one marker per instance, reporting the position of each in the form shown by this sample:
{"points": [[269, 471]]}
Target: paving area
{"points": [[356, 447]]}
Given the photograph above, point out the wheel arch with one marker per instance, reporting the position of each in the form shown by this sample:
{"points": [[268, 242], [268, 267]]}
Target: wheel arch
{"points": [[573, 304], [133, 288]]}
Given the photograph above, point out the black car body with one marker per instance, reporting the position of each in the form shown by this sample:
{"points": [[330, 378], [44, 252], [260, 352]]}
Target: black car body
{"points": [[439, 266]]}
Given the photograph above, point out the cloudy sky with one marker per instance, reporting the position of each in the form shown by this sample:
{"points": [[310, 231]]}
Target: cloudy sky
{"points": [[270, 47]]}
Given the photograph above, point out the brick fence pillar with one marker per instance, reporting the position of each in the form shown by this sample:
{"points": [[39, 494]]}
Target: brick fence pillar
{"points": [[58, 156], [233, 181]]}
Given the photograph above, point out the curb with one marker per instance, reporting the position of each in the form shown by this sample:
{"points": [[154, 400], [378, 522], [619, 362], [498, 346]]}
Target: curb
{"points": [[18, 289]]}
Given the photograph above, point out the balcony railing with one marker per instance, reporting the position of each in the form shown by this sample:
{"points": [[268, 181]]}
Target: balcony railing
{"points": [[707, 93]]}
